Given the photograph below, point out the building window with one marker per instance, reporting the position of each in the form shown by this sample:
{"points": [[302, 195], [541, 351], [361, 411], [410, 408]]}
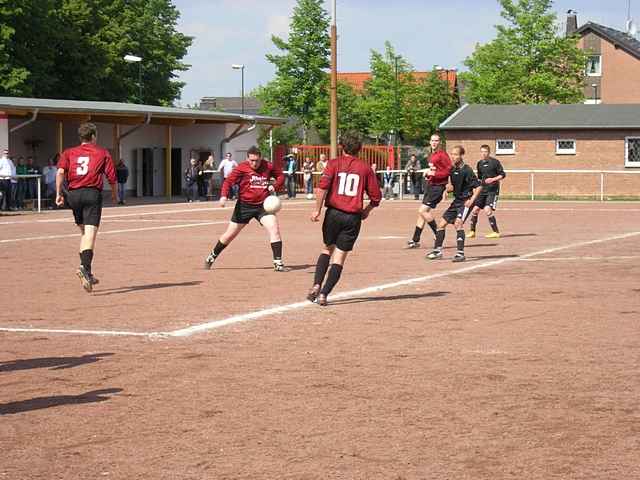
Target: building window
{"points": [[594, 65], [505, 147], [632, 152], [565, 147]]}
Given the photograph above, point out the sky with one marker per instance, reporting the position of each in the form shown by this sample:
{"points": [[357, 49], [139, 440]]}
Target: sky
{"points": [[425, 32]]}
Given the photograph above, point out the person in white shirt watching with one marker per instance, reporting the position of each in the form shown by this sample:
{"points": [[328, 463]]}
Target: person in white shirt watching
{"points": [[226, 167], [7, 170]]}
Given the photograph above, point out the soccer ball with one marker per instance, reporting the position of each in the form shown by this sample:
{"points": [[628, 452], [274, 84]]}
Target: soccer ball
{"points": [[309, 196], [272, 204]]}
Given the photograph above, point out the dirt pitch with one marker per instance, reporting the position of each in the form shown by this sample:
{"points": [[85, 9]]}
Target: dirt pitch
{"points": [[521, 363]]}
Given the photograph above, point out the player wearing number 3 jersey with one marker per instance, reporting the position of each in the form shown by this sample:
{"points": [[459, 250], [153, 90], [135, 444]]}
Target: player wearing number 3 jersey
{"points": [[83, 167], [342, 187]]}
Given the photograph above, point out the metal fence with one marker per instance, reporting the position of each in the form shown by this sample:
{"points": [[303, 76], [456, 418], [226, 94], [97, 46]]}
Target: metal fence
{"points": [[38, 178]]}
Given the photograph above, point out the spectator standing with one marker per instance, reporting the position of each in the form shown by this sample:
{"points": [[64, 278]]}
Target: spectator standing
{"points": [[122, 174], [191, 179], [290, 175], [388, 181], [202, 188], [415, 179], [322, 163], [49, 173], [307, 170], [226, 167], [7, 169], [209, 168], [32, 183], [20, 184]]}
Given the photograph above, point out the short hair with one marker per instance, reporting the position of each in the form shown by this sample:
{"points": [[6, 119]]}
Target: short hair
{"points": [[487, 147], [413, 155], [460, 149], [87, 131], [351, 142], [253, 151], [436, 134]]}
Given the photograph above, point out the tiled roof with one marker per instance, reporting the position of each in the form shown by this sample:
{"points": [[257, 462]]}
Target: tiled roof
{"points": [[619, 39], [358, 79]]}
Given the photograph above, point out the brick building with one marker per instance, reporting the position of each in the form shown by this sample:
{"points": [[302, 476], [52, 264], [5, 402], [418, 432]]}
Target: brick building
{"points": [[613, 66], [554, 137]]}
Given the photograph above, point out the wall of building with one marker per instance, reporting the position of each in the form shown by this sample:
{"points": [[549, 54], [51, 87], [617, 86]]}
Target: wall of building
{"points": [[595, 150]]}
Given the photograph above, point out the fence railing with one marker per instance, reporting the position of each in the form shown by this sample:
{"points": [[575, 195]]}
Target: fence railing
{"points": [[38, 187]]}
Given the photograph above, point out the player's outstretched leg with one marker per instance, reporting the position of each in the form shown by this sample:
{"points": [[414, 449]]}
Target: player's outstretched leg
{"points": [[425, 217], [494, 225], [459, 257], [225, 239], [87, 244], [270, 223], [322, 265], [436, 253], [333, 276], [473, 223]]}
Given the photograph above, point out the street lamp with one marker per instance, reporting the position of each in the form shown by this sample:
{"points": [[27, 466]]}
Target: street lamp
{"points": [[240, 67], [138, 60], [397, 95], [595, 93]]}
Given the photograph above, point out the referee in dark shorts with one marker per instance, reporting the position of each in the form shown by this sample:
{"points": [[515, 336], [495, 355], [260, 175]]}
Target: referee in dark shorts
{"points": [[466, 188], [342, 187], [84, 167], [490, 173]]}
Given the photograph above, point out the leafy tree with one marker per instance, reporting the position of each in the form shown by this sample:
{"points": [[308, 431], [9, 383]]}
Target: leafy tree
{"points": [[528, 62], [12, 77], [300, 68], [351, 111]]}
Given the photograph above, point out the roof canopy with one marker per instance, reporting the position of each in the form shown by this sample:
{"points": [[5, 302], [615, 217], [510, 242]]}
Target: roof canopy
{"points": [[123, 113], [544, 117]]}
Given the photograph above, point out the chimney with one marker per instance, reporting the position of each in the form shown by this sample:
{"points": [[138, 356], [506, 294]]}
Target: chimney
{"points": [[572, 22]]}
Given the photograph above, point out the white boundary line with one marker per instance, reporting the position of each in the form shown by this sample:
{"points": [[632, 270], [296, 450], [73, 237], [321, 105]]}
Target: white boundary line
{"points": [[246, 317], [580, 259], [111, 232]]}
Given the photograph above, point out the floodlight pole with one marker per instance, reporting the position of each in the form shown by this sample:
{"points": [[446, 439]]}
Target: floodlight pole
{"points": [[241, 68], [334, 82]]}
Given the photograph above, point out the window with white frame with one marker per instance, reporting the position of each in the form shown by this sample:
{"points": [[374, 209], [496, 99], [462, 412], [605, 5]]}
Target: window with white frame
{"points": [[565, 146], [505, 147], [594, 65], [632, 152]]}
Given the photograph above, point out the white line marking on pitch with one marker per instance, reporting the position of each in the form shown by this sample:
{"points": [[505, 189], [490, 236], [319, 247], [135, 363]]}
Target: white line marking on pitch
{"points": [[185, 332], [189, 331], [111, 232], [575, 259]]}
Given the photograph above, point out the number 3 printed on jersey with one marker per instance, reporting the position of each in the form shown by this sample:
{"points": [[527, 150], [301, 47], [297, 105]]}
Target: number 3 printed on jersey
{"points": [[348, 184], [83, 165]]}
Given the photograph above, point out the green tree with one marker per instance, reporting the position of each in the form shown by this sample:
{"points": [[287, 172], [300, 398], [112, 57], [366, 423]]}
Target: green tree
{"points": [[12, 76], [351, 111], [300, 68], [528, 62]]}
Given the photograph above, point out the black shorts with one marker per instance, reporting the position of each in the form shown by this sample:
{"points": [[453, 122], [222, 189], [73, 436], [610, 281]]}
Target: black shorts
{"points": [[487, 199], [341, 228], [456, 210], [245, 212], [86, 204], [433, 195]]}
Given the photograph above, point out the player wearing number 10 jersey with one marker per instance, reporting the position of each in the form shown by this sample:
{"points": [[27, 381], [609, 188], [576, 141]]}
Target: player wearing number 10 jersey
{"points": [[342, 187], [83, 167]]}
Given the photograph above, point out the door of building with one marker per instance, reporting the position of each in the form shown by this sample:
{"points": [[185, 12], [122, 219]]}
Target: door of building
{"points": [[176, 171]]}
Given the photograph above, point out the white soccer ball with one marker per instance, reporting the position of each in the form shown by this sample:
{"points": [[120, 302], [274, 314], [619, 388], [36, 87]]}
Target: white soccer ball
{"points": [[272, 204], [309, 196]]}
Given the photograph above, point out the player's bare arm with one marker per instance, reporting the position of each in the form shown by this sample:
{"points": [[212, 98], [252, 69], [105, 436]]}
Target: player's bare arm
{"points": [[59, 181], [320, 198], [472, 200]]}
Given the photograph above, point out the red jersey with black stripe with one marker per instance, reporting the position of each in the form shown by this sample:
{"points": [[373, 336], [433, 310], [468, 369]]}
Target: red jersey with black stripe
{"points": [[85, 166], [253, 184], [347, 179]]}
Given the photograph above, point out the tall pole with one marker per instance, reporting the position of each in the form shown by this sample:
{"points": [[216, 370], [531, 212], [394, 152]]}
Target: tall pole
{"points": [[334, 82], [242, 89], [140, 80], [397, 127]]}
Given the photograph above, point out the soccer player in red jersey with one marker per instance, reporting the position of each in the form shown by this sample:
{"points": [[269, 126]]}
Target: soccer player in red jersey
{"points": [[84, 167], [254, 177], [437, 178], [342, 187]]}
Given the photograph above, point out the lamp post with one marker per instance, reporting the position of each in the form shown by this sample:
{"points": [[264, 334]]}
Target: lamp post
{"points": [[138, 60], [241, 68], [333, 120], [397, 99], [595, 93]]}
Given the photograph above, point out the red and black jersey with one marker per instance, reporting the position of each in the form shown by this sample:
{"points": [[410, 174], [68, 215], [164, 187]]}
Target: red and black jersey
{"points": [[253, 184], [347, 179], [442, 163], [85, 165]]}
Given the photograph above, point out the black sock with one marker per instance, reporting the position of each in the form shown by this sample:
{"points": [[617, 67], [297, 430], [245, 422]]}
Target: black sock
{"points": [[86, 257], [417, 234], [434, 226], [460, 241], [494, 224], [217, 250], [276, 248], [332, 279], [439, 239], [321, 268], [474, 222]]}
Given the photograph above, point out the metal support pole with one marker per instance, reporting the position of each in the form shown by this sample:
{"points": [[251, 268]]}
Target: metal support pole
{"points": [[243, 90], [39, 180], [601, 186], [334, 83], [403, 184], [532, 186], [168, 183]]}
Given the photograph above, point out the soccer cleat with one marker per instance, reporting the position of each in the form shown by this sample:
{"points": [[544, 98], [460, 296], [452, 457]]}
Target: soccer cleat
{"points": [[94, 280], [85, 278], [471, 234], [459, 257], [413, 244], [278, 266], [434, 255], [492, 235], [208, 263], [313, 293], [322, 300]]}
